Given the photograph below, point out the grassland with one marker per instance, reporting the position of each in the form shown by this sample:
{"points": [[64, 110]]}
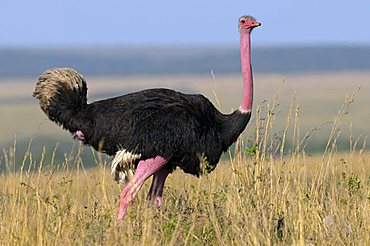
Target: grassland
{"points": [[295, 201], [268, 193]]}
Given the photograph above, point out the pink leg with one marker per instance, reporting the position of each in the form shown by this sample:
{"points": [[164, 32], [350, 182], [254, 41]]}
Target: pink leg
{"points": [[156, 189], [79, 135], [144, 170]]}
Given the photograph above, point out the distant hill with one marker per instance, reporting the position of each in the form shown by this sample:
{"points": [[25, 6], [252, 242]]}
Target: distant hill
{"points": [[120, 61]]}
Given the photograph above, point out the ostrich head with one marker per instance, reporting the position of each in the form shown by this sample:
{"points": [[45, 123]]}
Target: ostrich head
{"points": [[247, 23]]}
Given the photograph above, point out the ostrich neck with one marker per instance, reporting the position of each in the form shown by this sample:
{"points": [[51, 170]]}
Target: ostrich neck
{"points": [[245, 53], [234, 124]]}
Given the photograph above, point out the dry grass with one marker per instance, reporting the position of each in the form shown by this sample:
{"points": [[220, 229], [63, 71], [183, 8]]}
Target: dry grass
{"points": [[265, 194]]}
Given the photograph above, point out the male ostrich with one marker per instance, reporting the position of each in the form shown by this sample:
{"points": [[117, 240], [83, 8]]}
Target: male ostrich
{"points": [[154, 130]]}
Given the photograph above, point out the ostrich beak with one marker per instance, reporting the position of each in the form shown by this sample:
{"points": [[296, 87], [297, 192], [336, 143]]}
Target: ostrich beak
{"points": [[249, 25], [256, 23]]}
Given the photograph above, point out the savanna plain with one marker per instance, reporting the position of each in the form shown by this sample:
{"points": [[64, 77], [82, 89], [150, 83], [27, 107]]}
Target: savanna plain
{"points": [[299, 174]]}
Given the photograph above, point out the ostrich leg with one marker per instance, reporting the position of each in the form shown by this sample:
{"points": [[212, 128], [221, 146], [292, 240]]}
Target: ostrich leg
{"points": [[156, 189], [144, 170]]}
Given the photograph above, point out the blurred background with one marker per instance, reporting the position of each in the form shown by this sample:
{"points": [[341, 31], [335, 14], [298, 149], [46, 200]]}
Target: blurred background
{"points": [[311, 53]]}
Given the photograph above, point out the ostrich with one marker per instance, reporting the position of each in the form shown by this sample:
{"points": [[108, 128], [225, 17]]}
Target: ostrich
{"points": [[153, 130]]}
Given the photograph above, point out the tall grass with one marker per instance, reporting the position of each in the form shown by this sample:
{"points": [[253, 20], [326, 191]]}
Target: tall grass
{"points": [[266, 193]]}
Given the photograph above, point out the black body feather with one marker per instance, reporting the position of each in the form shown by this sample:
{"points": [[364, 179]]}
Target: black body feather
{"points": [[185, 128]]}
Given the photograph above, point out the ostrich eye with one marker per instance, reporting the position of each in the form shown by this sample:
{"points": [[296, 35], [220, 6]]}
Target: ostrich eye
{"points": [[242, 21]]}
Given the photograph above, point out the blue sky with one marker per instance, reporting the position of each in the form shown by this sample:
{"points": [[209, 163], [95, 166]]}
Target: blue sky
{"points": [[173, 22]]}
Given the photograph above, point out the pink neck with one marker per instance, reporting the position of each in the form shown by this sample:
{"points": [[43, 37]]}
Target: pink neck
{"points": [[245, 53]]}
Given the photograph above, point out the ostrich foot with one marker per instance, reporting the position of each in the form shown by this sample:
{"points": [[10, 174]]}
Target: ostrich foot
{"points": [[79, 136], [144, 170]]}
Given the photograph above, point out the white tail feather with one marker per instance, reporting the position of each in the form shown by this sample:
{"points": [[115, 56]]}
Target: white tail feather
{"points": [[122, 165]]}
